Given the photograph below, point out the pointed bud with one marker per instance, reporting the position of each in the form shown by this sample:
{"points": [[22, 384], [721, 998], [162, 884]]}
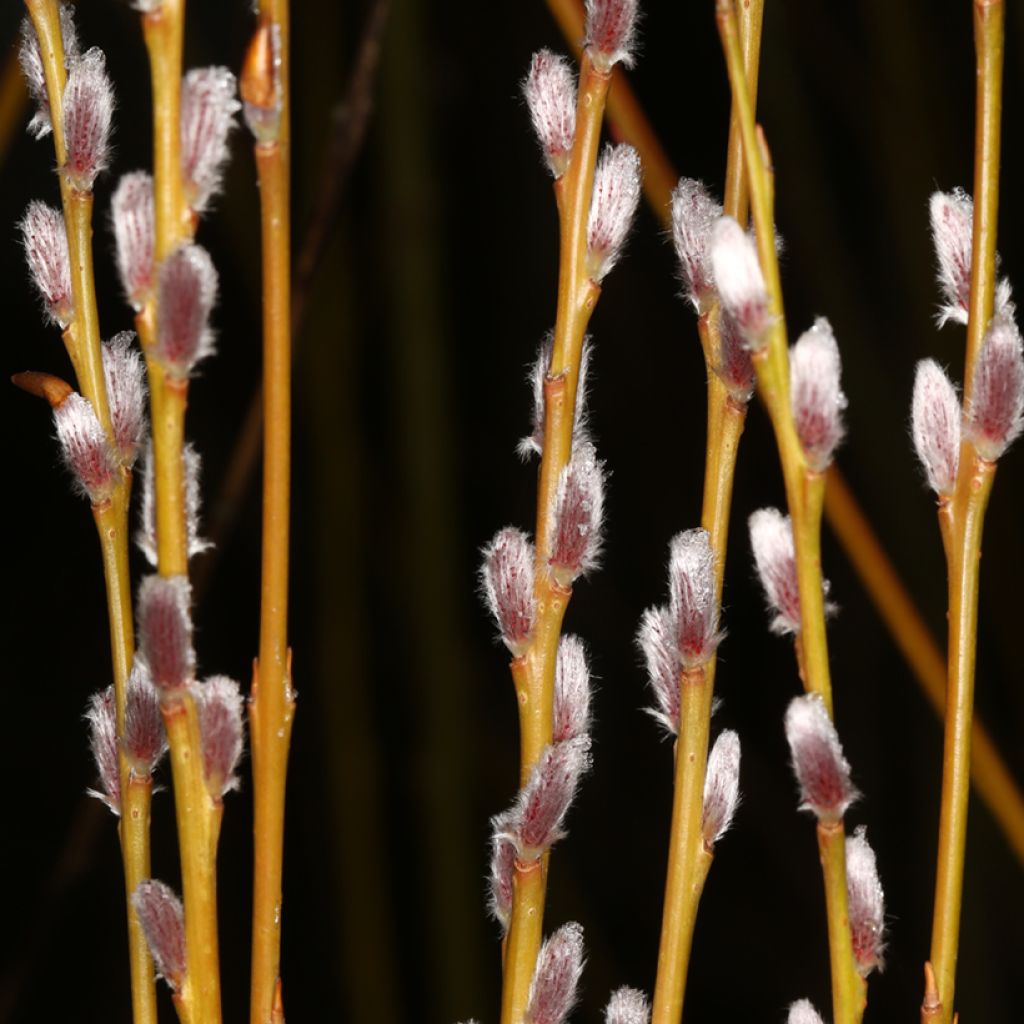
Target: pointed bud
{"points": [[145, 538], [721, 787], [815, 395], [803, 1012], [866, 902], [506, 581], [771, 537], [550, 90], [145, 739], [577, 512], [611, 32], [613, 205], [656, 638], [125, 376], [88, 114], [694, 213], [132, 217], [32, 66], [165, 633], [163, 923], [556, 977], [734, 366], [544, 801], [186, 290], [261, 83], [220, 724], [533, 444], [995, 416], [952, 220], [694, 610], [102, 718], [935, 423], [208, 108], [739, 280], [503, 863], [627, 1006], [821, 770], [86, 451], [46, 252], [572, 690]]}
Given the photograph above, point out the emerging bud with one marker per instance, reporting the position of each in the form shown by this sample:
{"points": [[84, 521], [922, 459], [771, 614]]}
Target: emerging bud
{"points": [[866, 902], [935, 423], [165, 632], [132, 217], [721, 787], [694, 610], [627, 1006], [537, 375], [656, 638], [145, 538], [803, 1012], [506, 580], [163, 923], [86, 451], [550, 90], [771, 537], [734, 366], [611, 32], [995, 415], [145, 739], [186, 292], [102, 718], [815, 395], [556, 977], [208, 108], [613, 205], [261, 83], [739, 280], [220, 724], [694, 213], [542, 804], [46, 252], [32, 66], [88, 113], [952, 220], [572, 690], [125, 375], [503, 864], [577, 512], [821, 770]]}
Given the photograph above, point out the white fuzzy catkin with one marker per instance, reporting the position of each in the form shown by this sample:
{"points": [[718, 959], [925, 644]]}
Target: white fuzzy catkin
{"points": [[577, 512], [692, 604], [611, 32], [694, 213], [803, 1012], [556, 976], [771, 538], [627, 1006], [821, 770], [613, 206], [550, 91], [935, 426], [721, 787], [866, 903], [995, 415], [572, 690], [506, 582], [739, 280], [815, 394]]}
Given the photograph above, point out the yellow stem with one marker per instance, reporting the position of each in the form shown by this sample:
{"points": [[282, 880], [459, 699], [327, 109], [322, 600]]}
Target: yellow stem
{"points": [[534, 673], [529, 884], [163, 30], [993, 782], [272, 708], [684, 883], [198, 817], [849, 996], [962, 520], [136, 799], [989, 18], [736, 195]]}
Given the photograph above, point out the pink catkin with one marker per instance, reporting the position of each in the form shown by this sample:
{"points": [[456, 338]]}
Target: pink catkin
{"points": [[656, 639], [187, 290], [88, 117], [866, 902], [577, 513], [86, 450], [611, 32], [163, 922], [693, 605], [550, 91], [771, 537], [572, 690], [506, 580], [815, 395], [935, 426], [132, 218], [822, 771], [556, 977], [125, 375], [221, 728], [694, 213], [46, 252], [995, 416], [545, 800], [100, 715], [145, 739], [165, 632]]}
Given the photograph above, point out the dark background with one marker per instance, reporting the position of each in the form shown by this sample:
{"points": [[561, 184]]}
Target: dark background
{"points": [[437, 287]]}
